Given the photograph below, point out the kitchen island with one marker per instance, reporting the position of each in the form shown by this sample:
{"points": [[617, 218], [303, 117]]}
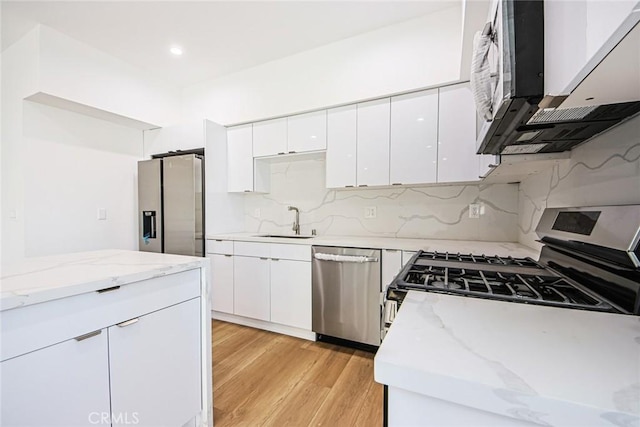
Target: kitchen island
{"points": [[450, 360], [113, 336]]}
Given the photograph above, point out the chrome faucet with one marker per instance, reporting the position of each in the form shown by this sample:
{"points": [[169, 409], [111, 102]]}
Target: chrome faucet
{"points": [[296, 223]]}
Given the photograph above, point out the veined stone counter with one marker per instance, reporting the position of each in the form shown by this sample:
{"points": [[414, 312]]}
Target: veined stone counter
{"points": [[471, 361], [454, 246], [40, 279]]}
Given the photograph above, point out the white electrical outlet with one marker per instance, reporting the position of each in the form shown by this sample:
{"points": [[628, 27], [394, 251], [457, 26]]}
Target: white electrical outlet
{"points": [[474, 210], [370, 212], [256, 212], [102, 214]]}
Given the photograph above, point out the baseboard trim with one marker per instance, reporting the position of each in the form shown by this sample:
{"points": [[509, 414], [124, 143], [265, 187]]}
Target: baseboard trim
{"points": [[267, 326]]}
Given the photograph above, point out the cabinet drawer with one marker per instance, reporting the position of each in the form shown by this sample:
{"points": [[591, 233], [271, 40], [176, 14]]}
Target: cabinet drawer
{"points": [[292, 252], [224, 247], [252, 249], [37, 326]]}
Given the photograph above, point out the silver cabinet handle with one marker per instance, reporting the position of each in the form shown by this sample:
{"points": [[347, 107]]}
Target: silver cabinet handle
{"points": [[113, 288], [275, 259], [227, 255], [128, 322], [344, 258], [264, 258], [247, 191], [89, 335]]}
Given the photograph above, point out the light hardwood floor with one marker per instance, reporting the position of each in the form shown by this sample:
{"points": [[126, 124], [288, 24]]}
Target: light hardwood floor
{"points": [[265, 379]]}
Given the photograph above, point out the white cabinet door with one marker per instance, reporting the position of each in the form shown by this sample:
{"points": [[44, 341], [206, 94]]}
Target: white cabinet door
{"points": [[487, 163], [341, 147], [239, 159], [221, 282], [251, 292], [270, 137], [406, 256], [373, 142], [291, 293], [155, 367], [307, 132], [414, 138], [391, 265], [66, 384], [457, 158]]}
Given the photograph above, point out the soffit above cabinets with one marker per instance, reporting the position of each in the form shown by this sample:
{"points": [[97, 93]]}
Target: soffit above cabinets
{"points": [[615, 79]]}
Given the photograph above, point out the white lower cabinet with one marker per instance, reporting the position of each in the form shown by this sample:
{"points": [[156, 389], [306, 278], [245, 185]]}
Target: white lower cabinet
{"points": [[66, 384], [391, 266], [291, 293], [154, 359], [221, 282], [136, 360], [251, 293], [269, 282]]}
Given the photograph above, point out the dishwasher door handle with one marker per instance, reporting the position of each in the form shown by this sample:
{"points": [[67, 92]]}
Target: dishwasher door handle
{"points": [[344, 258]]}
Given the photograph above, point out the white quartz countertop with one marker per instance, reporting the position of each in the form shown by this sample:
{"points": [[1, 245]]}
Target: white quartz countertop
{"points": [[36, 280], [462, 246], [547, 365]]}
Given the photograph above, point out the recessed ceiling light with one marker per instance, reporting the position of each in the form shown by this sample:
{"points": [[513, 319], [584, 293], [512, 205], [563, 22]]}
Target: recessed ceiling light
{"points": [[176, 50]]}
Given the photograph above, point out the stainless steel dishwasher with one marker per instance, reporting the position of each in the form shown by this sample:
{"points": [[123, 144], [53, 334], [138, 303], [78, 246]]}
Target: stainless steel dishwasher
{"points": [[346, 294]]}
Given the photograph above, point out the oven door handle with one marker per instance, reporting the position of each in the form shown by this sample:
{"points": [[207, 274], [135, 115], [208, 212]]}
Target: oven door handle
{"points": [[344, 258]]}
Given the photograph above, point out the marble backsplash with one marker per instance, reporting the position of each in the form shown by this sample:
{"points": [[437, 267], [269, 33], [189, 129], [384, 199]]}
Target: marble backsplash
{"points": [[436, 212], [603, 171]]}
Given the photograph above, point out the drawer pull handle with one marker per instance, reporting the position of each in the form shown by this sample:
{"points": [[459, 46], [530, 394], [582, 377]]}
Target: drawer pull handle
{"points": [[89, 335], [291, 152], [362, 185], [264, 258], [280, 154], [247, 191], [113, 288], [275, 259], [228, 255], [396, 183], [348, 186], [128, 322]]}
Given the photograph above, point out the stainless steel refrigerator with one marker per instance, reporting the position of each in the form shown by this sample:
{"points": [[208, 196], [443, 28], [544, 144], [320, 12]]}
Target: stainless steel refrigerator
{"points": [[171, 205]]}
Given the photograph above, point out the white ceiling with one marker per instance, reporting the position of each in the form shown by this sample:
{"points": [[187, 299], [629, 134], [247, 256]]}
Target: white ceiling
{"points": [[218, 37]]}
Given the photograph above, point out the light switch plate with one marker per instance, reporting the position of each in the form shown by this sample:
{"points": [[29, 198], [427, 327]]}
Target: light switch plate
{"points": [[102, 214], [370, 212], [474, 210]]}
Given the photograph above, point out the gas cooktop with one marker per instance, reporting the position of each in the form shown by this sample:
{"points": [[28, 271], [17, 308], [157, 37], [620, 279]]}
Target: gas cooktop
{"points": [[511, 279]]}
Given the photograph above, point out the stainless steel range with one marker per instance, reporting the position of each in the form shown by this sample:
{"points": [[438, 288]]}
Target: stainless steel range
{"points": [[590, 261]]}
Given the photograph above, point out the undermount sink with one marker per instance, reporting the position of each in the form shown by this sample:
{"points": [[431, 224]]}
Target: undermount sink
{"points": [[285, 236]]}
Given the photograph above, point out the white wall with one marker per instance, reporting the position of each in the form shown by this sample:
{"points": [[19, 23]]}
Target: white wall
{"points": [[59, 167], [434, 212], [603, 171], [75, 71], [414, 54], [73, 166]]}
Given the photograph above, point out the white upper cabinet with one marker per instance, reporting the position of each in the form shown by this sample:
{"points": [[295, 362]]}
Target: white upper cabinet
{"points": [[414, 138], [307, 132], [457, 158], [239, 159], [341, 147], [270, 137], [373, 142]]}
